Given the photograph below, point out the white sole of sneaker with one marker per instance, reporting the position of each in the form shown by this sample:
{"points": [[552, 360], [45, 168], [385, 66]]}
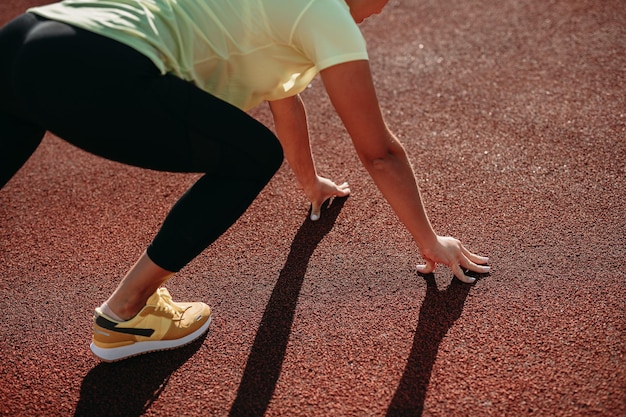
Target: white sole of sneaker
{"points": [[138, 348]]}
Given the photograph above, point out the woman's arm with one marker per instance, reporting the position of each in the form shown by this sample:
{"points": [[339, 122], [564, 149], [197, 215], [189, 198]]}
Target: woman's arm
{"points": [[351, 90], [293, 133]]}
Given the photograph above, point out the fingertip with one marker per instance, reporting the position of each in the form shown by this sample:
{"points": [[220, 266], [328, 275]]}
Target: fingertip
{"points": [[315, 216], [481, 269], [458, 272], [464, 278]]}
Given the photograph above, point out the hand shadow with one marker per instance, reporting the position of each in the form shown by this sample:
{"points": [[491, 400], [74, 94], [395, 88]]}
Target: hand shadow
{"points": [[268, 351], [129, 387], [439, 311]]}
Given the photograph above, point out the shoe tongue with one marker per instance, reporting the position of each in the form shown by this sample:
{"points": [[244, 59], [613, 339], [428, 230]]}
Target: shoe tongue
{"points": [[163, 292], [154, 299]]}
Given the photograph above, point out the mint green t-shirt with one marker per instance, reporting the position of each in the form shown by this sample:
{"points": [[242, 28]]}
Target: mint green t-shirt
{"points": [[242, 51]]}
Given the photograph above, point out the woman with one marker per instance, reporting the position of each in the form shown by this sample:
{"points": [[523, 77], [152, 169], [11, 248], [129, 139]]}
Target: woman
{"points": [[166, 85]]}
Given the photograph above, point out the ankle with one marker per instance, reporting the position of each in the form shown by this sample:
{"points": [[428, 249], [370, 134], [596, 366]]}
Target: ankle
{"points": [[126, 307], [112, 314]]}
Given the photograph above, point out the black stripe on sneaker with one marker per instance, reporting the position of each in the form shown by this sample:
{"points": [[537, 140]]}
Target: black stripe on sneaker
{"points": [[111, 325]]}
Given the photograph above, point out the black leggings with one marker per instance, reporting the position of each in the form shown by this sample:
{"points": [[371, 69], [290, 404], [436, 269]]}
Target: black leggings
{"points": [[108, 99]]}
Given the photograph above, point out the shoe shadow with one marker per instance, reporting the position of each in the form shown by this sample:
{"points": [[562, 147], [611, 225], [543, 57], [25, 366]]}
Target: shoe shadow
{"points": [[439, 311], [129, 387], [268, 350]]}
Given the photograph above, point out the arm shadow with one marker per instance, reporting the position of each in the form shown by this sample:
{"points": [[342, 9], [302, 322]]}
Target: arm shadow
{"points": [[129, 387], [439, 311], [270, 344]]}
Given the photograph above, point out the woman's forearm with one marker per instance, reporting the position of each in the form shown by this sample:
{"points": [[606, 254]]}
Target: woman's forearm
{"points": [[394, 177], [293, 133]]}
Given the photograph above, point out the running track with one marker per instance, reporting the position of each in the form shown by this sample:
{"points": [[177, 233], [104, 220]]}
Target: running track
{"points": [[514, 114]]}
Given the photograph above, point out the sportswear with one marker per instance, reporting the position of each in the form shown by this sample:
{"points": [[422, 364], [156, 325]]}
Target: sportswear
{"points": [[242, 51], [162, 324]]}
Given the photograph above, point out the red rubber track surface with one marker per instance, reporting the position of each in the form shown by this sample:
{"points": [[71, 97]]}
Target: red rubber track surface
{"points": [[514, 116]]}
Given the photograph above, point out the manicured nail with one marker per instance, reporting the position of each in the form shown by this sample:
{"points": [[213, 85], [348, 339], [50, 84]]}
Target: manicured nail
{"points": [[315, 217]]}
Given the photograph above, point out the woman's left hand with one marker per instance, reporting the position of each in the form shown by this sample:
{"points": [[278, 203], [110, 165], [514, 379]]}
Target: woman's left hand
{"points": [[449, 251], [320, 191]]}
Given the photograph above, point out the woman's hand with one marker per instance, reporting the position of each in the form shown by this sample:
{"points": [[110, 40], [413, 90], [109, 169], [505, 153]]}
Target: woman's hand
{"points": [[291, 126], [321, 190], [451, 252]]}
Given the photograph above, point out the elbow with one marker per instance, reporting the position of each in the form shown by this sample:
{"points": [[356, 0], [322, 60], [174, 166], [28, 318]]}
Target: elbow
{"points": [[377, 163], [380, 160]]}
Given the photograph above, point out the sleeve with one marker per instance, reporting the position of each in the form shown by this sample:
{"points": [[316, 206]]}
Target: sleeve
{"points": [[328, 35]]}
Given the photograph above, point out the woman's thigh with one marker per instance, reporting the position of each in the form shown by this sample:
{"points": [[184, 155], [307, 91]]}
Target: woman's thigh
{"points": [[111, 100]]}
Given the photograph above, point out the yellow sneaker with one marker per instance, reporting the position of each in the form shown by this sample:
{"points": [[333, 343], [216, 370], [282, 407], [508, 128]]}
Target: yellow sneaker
{"points": [[162, 324]]}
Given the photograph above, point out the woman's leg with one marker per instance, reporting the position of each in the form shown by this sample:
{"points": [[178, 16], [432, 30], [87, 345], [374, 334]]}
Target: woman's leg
{"points": [[238, 165], [110, 100]]}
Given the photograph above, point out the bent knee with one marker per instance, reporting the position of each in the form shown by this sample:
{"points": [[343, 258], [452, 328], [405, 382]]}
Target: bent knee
{"points": [[264, 158], [275, 155]]}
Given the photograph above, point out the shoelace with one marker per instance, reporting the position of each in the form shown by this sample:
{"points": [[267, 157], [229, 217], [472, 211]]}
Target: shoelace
{"points": [[166, 304]]}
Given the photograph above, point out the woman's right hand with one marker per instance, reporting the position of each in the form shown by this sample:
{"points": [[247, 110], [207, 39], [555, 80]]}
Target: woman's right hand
{"points": [[320, 191], [451, 252]]}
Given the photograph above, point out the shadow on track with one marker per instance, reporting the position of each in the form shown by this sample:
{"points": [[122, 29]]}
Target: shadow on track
{"points": [[268, 351], [439, 311], [129, 387]]}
